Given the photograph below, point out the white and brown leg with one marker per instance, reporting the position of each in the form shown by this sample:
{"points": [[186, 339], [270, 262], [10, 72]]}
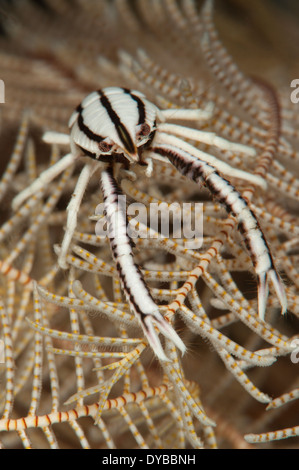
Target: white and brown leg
{"points": [[48, 175], [225, 168], [200, 171], [73, 208], [44, 178], [133, 284]]}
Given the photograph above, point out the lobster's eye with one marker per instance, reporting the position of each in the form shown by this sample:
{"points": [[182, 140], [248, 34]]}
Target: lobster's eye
{"points": [[104, 147], [144, 129]]}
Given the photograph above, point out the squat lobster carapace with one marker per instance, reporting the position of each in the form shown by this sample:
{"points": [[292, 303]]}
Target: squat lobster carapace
{"points": [[120, 125]]}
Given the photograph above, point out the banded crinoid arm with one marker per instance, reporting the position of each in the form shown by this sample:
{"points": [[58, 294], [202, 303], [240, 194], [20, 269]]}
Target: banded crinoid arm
{"points": [[200, 171], [135, 289]]}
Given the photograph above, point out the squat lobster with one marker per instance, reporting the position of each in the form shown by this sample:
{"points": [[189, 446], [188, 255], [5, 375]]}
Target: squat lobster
{"points": [[120, 125]]}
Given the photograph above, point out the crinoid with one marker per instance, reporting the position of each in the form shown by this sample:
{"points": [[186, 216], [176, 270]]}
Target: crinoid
{"points": [[83, 304]]}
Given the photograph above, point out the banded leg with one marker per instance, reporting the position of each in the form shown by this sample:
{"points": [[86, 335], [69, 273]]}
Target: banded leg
{"points": [[136, 291], [200, 171], [169, 139]]}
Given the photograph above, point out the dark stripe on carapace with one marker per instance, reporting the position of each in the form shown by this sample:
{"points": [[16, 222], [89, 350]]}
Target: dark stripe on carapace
{"points": [[87, 153], [113, 157], [85, 129], [140, 105], [120, 128]]}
